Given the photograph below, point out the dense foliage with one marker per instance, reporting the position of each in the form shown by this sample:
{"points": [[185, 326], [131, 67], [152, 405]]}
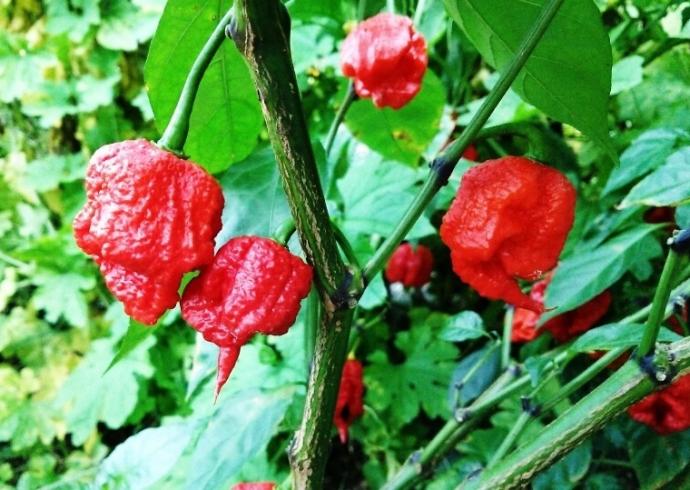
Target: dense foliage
{"points": [[88, 397]]}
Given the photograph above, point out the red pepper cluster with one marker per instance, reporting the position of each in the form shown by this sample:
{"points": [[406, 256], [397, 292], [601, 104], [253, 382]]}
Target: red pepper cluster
{"points": [[150, 217], [349, 406], [387, 59], [509, 220], [410, 266], [563, 327], [254, 285], [666, 411]]}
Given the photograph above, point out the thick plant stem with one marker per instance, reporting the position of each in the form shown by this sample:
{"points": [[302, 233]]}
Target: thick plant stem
{"points": [[443, 165], [261, 30], [350, 97], [175, 133], [626, 386], [661, 295]]}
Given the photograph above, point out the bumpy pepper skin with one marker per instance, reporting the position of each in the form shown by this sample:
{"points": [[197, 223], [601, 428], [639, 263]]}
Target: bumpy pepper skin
{"points": [[349, 406], [267, 485], [410, 266], [563, 327], [387, 59], [254, 285], [509, 220], [149, 218], [666, 411]]}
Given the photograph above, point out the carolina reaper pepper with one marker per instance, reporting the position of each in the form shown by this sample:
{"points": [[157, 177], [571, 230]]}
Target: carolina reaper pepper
{"points": [[254, 285], [411, 267], [349, 406], [509, 220], [387, 59], [563, 327], [666, 411], [149, 218]]}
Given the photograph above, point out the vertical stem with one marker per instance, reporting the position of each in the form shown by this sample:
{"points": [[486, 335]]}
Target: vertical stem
{"points": [[661, 295], [175, 133], [350, 97], [443, 165], [507, 338], [261, 30], [510, 439]]}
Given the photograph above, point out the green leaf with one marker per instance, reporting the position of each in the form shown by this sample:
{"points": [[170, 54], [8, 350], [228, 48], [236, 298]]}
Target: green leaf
{"points": [[145, 458], [556, 78], [61, 295], [135, 335], [226, 119], [466, 325], [375, 194], [614, 335], [657, 459], [72, 17], [49, 172], [648, 152], [402, 134], [218, 455], [110, 397], [486, 367], [584, 275], [627, 73], [124, 26], [668, 185], [19, 66], [420, 382], [255, 202]]}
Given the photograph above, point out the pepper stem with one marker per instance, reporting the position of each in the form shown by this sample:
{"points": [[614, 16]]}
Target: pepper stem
{"points": [[350, 97], [175, 133]]}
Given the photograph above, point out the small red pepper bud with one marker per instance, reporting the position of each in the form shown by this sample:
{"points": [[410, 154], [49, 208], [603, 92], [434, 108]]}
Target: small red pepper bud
{"points": [[387, 59], [254, 285], [349, 406], [150, 217], [268, 485], [563, 327], [471, 153], [412, 267], [666, 411], [509, 220]]}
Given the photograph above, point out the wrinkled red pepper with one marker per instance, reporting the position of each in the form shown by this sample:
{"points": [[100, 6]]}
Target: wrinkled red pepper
{"points": [[254, 285], [387, 59], [666, 411], [410, 266], [349, 406], [150, 217], [509, 220], [563, 327]]}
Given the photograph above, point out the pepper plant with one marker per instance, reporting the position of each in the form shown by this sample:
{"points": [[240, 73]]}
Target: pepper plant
{"points": [[458, 227]]}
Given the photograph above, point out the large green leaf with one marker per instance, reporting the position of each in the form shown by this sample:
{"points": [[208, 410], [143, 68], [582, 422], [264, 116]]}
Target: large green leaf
{"points": [[421, 381], [569, 74], [375, 194], [668, 185], [649, 151], [582, 276], [657, 459], [226, 119], [616, 335], [401, 134]]}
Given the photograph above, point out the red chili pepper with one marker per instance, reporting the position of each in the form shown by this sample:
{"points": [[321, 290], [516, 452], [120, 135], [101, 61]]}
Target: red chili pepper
{"points": [[471, 153], [254, 285], [666, 411], [563, 327], [509, 220], [266, 485], [150, 217], [387, 59], [412, 267], [349, 406]]}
